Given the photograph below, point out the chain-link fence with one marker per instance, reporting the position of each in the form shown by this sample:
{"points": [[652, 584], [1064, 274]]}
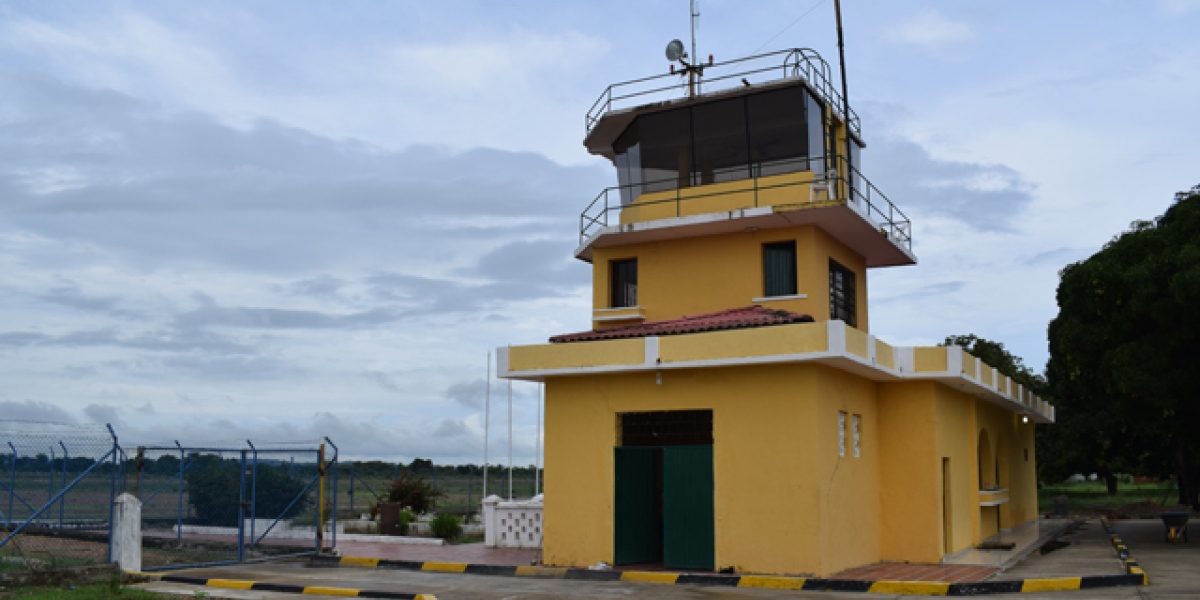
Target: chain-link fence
{"points": [[210, 505], [57, 484]]}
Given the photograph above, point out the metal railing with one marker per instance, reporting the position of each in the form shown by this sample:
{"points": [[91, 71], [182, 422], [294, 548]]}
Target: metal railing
{"points": [[609, 203], [796, 63]]}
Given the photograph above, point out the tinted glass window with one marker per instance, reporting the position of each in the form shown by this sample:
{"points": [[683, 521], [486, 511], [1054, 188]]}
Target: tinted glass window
{"points": [[779, 269], [719, 131], [816, 133], [841, 294], [666, 144], [629, 163], [624, 283], [777, 136]]}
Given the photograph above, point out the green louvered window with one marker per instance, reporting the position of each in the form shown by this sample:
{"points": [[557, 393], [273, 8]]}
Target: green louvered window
{"points": [[779, 269]]}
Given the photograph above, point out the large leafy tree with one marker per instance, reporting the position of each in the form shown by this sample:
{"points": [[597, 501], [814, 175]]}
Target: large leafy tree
{"points": [[1125, 347]]}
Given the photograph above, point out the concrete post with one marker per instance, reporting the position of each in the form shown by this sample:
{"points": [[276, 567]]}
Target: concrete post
{"points": [[490, 526], [127, 533]]}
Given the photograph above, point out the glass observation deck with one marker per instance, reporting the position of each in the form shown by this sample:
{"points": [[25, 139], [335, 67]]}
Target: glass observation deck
{"points": [[764, 138]]}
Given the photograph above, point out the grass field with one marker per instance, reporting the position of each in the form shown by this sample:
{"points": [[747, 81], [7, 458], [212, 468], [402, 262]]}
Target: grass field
{"points": [[83, 592], [1093, 495]]}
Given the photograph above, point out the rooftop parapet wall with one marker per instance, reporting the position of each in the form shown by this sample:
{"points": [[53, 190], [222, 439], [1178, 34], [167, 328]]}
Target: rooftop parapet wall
{"points": [[830, 342]]}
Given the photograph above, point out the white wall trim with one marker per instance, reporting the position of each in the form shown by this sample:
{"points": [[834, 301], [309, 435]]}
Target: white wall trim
{"points": [[837, 336], [651, 351], [778, 298], [871, 348], [954, 360], [904, 359], [502, 361]]}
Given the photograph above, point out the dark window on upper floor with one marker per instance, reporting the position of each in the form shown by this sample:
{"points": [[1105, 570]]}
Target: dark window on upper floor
{"points": [[841, 294], [779, 269], [778, 131], [623, 275], [719, 137], [765, 133]]}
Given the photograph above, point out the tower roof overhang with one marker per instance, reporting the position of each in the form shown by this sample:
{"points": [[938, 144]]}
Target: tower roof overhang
{"points": [[848, 222]]}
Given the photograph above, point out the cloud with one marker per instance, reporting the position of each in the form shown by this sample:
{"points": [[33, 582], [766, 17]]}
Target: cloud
{"points": [[928, 29], [104, 414], [987, 197], [30, 410], [932, 290]]}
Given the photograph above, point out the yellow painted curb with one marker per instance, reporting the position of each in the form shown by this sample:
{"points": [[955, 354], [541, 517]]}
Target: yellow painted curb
{"points": [[233, 584], [548, 572], [1051, 585], [425, 597], [329, 591], [445, 567], [772, 583], [359, 561], [644, 577], [911, 588]]}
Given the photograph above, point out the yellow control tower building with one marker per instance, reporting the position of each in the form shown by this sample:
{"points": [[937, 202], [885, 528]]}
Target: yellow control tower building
{"points": [[730, 409]]}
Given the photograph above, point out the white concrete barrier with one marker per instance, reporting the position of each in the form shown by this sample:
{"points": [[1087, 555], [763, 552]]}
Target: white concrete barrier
{"points": [[127, 533], [515, 524]]}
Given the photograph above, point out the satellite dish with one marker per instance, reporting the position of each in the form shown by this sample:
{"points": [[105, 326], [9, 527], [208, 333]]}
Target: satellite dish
{"points": [[674, 50]]}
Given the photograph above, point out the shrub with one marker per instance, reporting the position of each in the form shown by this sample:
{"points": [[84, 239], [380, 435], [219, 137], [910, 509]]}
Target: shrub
{"points": [[406, 518], [414, 493], [446, 526]]}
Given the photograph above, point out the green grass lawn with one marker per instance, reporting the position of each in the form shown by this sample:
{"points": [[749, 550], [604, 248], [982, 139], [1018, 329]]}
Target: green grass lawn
{"points": [[1093, 495], [102, 591]]}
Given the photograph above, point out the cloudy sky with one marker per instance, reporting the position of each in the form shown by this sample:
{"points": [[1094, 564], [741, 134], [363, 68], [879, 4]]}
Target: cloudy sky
{"points": [[286, 220]]}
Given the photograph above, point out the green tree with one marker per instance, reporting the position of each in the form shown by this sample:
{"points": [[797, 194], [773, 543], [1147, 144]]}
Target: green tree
{"points": [[213, 486], [1124, 351]]}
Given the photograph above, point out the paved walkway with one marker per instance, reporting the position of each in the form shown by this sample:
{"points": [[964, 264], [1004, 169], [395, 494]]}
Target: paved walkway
{"points": [[1171, 568], [916, 572], [1089, 553], [475, 554]]}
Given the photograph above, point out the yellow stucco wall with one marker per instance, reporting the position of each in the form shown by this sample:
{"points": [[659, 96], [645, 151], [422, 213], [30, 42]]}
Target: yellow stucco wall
{"points": [[729, 269], [786, 188], [766, 497], [909, 473], [848, 492], [780, 339], [577, 354], [956, 440], [929, 359], [785, 500]]}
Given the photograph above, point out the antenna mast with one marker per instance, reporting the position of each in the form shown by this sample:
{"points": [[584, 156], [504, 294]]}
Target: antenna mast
{"points": [[837, 7], [695, 14]]}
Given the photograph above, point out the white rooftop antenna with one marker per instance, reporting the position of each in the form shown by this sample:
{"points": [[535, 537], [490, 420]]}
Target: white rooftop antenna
{"points": [[676, 53]]}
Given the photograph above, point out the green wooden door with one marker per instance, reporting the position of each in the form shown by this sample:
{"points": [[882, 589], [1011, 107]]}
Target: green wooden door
{"points": [[638, 530], [688, 507]]}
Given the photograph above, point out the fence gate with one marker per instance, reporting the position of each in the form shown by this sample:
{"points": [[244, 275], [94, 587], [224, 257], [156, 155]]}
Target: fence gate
{"points": [[204, 505], [57, 484]]}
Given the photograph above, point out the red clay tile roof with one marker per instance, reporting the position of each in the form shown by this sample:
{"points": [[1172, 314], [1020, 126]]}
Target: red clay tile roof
{"points": [[734, 318]]}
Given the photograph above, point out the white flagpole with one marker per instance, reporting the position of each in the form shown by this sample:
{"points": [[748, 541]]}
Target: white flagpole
{"points": [[510, 466], [537, 448], [487, 419]]}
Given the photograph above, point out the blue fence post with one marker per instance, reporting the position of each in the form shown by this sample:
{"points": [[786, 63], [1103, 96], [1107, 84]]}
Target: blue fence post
{"points": [[179, 515], [351, 487], [12, 482], [50, 492], [241, 543], [253, 490], [62, 503], [112, 490]]}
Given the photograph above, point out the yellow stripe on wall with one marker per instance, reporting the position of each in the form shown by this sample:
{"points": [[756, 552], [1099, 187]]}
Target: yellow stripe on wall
{"points": [[359, 561], [773, 583], [912, 588], [445, 567], [329, 591], [644, 577], [233, 584], [1050, 585]]}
